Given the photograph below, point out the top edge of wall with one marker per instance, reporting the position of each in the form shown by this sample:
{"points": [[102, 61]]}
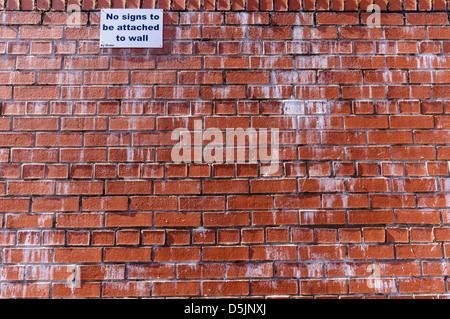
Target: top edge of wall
{"points": [[230, 5]]}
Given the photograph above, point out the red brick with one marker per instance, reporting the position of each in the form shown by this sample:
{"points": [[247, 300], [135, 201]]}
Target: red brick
{"points": [[274, 287], [405, 33], [201, 18], [413, 152], [175, 187], [147, 271], [417, 217], [81, 63], [246, 202], [359, 197], [128, 219], [292, 269], [105, 203], [373, 234], [176, 288], [223, 32], [36, 93], [323, 286], [273, 186], [154, 77], [249, 270], [370, 286], [225, 187], [326, 77], [423, 285], [153, 237], [270, 62], [210, 203], [368, 251], [30, 188], [275, 218], [350, 201], [229, 219], [426, 18], [22, 78], [21, 18], [55, 204], [79, 188], [349, 235], [123, 254], [154, 203], [128, 187], [177, 220], [86, 290], [360, 33], [34, 155], [329, 252], [133, 62], [335, 18], [77, 255], [81, 171], [274, 253], [222, 253], [85, 155], [41, 32], [83, 92], [297, 201], [322, 217]]}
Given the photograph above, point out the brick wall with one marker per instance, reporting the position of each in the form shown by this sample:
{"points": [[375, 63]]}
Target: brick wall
{"points": [[358, 205]]}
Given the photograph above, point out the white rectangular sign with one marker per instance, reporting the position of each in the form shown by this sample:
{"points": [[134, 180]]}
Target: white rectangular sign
{"points": [[131, 28]]}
